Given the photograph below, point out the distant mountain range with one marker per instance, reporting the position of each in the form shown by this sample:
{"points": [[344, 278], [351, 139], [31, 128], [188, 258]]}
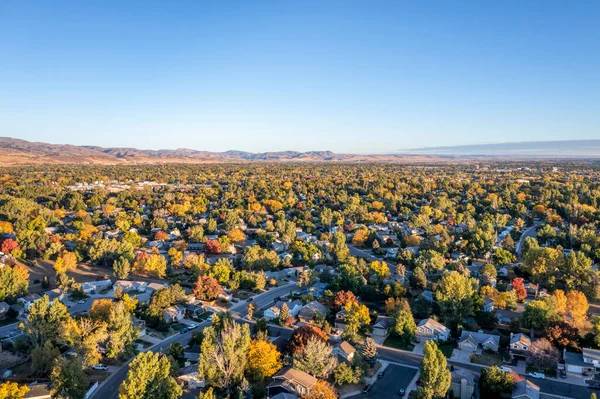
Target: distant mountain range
{"points": [[22, 152], [525, 149]]}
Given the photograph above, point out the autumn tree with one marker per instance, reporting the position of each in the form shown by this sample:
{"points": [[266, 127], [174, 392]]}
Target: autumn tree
{"points": [[455, 295], [263, 360], [45, 321], [12, 390], [380, 269], [342, 298], [149, 377], [14, 282], [250, 311], [577, 307], [543, 354], [212, 247], [418, 279], [206, 288], [68, 379], [368, 350], [284, 314], [519, 288], [321, 390], [435, 376], [562, 335], [357, 316], [302, 335], [315, 358]]}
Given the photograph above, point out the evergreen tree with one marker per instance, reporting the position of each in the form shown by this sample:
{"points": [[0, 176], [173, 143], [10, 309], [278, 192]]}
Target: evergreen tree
{"points": [[435, 375]]}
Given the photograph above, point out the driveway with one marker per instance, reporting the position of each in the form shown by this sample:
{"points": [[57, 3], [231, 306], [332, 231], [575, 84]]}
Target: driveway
{"points": [[395, 378], [462, 356]]}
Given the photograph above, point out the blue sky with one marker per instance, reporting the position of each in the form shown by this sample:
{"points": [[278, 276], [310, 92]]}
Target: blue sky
{"points": [[347, 76]]}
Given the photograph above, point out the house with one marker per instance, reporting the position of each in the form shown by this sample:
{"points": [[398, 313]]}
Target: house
{"points": [[488, 304], [174, 313], [391, 253], [129, 286], [38, 391], [592, 357], [526, 389], [284, 395], [290, 380], [506, 316], [344, 351], [582, 363], [310, 310], [194, 310], [140, 326], [472, 341], [153, 287], [4, 308], [188, 377], [519, 346], [431, 329], [532, 289], [273, 312], [340, 320], [18, 309], [54, 295], [462, 384], [28, 300], [381, 328], [93, 287], [428, 295]]}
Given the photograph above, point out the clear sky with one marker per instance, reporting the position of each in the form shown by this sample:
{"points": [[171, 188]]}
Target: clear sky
{"points": [[347, 76]]}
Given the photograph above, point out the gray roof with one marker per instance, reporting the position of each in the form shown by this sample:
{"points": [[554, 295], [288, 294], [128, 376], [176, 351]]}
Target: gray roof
{"points": [[593, 354], [574, 359], [461, 374], [480, 337], [526, 388]]}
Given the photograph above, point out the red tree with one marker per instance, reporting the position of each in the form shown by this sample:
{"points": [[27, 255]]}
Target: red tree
{"points": [[212, 247], [161, 236], [301, 336], [519, 288], [342, 298], [9, 245], [206, 288]]}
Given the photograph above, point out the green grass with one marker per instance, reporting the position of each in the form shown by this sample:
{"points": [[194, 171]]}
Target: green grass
{"points": [[393, 341], [178, 326], [487, 359], [446, 348], [203, 316]]}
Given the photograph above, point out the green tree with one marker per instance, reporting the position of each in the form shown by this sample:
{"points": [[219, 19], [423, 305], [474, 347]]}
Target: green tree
{"points": [[45, 322], [149, 377], [14, 282], [536, 315], [495, 382], [121, 267], [455, 295], [418, 279], [315, 358], [68, 379], [222, 270], [435, 376], [43, 358], [430, 261]]}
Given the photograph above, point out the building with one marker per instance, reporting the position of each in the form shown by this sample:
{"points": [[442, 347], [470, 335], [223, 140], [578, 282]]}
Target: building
{"points": [[131, 286], [473, 341], [28, 300], [274, 311], [340, 320], [310, 310], [290, 380], [174, 313], [520, 346], [4, 308], [431, 329], [381, 328], [93, 287], [488, 304], [582, 363], [344, 350], [38, 391], [526, 389], [462, 384], [188, 377]]}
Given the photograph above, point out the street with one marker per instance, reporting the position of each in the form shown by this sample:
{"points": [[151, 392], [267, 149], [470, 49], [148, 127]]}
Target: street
{"points": [[395, 378]]}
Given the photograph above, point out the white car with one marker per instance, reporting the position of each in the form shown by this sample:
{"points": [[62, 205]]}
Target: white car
{"points": [[192, 326], [505, 369], [541, 376], [81, 301], [100, 366]]}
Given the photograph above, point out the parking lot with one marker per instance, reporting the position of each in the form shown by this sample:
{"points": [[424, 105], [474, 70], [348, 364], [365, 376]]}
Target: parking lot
{"points": [[395, 377]]}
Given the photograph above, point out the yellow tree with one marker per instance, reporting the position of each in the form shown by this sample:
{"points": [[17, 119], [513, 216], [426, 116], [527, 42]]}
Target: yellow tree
{"points": [[263, 360], [236, 235], [12, 390], [577, 307], [321, 390], [356, 317], [381, 269]]}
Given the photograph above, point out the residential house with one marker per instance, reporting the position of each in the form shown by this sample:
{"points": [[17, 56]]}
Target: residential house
{"points": [[431, 329], [18, 309], [310, 310], [340, 320], [38, 391], [532, 289], [54, 295], [188, 377], [274, 311], [194, 310], [153, 287], [28, 300], [592, 357], [428, 295], [381, 328], [93, 287], [391, 253], [344, 351], [520, 346], [506, 316], [462, 384], [285, 395], [129, 286], [526, 389], [174, 313], [581, 363], [472, 341], [4, 308], [488, 304], [290, 380]]}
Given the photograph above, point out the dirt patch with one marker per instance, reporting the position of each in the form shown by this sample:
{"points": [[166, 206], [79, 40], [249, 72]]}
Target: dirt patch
{"points": [[9, 360]]}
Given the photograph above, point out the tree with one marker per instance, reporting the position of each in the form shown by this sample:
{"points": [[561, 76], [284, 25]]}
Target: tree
{"points": [[455, 295], [208, 394], [14, 282], [369, 350], [430, 261], [149, 377], [223, 354], [519, 288], [543, 355], [256, 258], [435, 376], [222, 270], [418, 279], [403, 323], [121, 267], [321, 390], [250, 311], [346, 374], [263, 360], [206, 288], [495, 382], [43, 358], [488, 274], [212, 247], [356, 317], [12, 390], [86, 335], [380, 269], [155, 265], [45, 322], [302, 335], [284, 314], [536, 315], [503, 256], [562, 335], [577, 307], [121, 331], [342, 298], [68, 379], [315, 358], [9, 245]]}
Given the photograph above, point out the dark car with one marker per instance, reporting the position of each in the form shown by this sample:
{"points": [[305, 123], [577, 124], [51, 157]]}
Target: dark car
{"points": [[401, 392], [183, 330], [367, 388], [380, 375], [249, 299]]}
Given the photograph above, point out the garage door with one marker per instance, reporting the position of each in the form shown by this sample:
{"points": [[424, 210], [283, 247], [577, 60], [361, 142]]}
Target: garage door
{"points": [[575, 369]]}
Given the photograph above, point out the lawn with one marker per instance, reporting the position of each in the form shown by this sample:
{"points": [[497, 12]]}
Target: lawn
{"points": [[178, 326], [446, 348], [487, 359], [145, 344], [395, 342], [203, 316]]}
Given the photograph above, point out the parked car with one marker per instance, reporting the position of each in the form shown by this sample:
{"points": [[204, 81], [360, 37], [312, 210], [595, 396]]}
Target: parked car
{"points": [[534, 374], [505, 369], [401, 392], [192, 326], [100, 366], [183, 330], [249, 299], [81, 301], [380, 375], [235, 300], [367, 388], [563, 373]]}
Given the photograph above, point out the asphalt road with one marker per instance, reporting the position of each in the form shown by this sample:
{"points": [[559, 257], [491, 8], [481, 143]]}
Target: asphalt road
{"points": [[530, 232], [396, 377]]}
